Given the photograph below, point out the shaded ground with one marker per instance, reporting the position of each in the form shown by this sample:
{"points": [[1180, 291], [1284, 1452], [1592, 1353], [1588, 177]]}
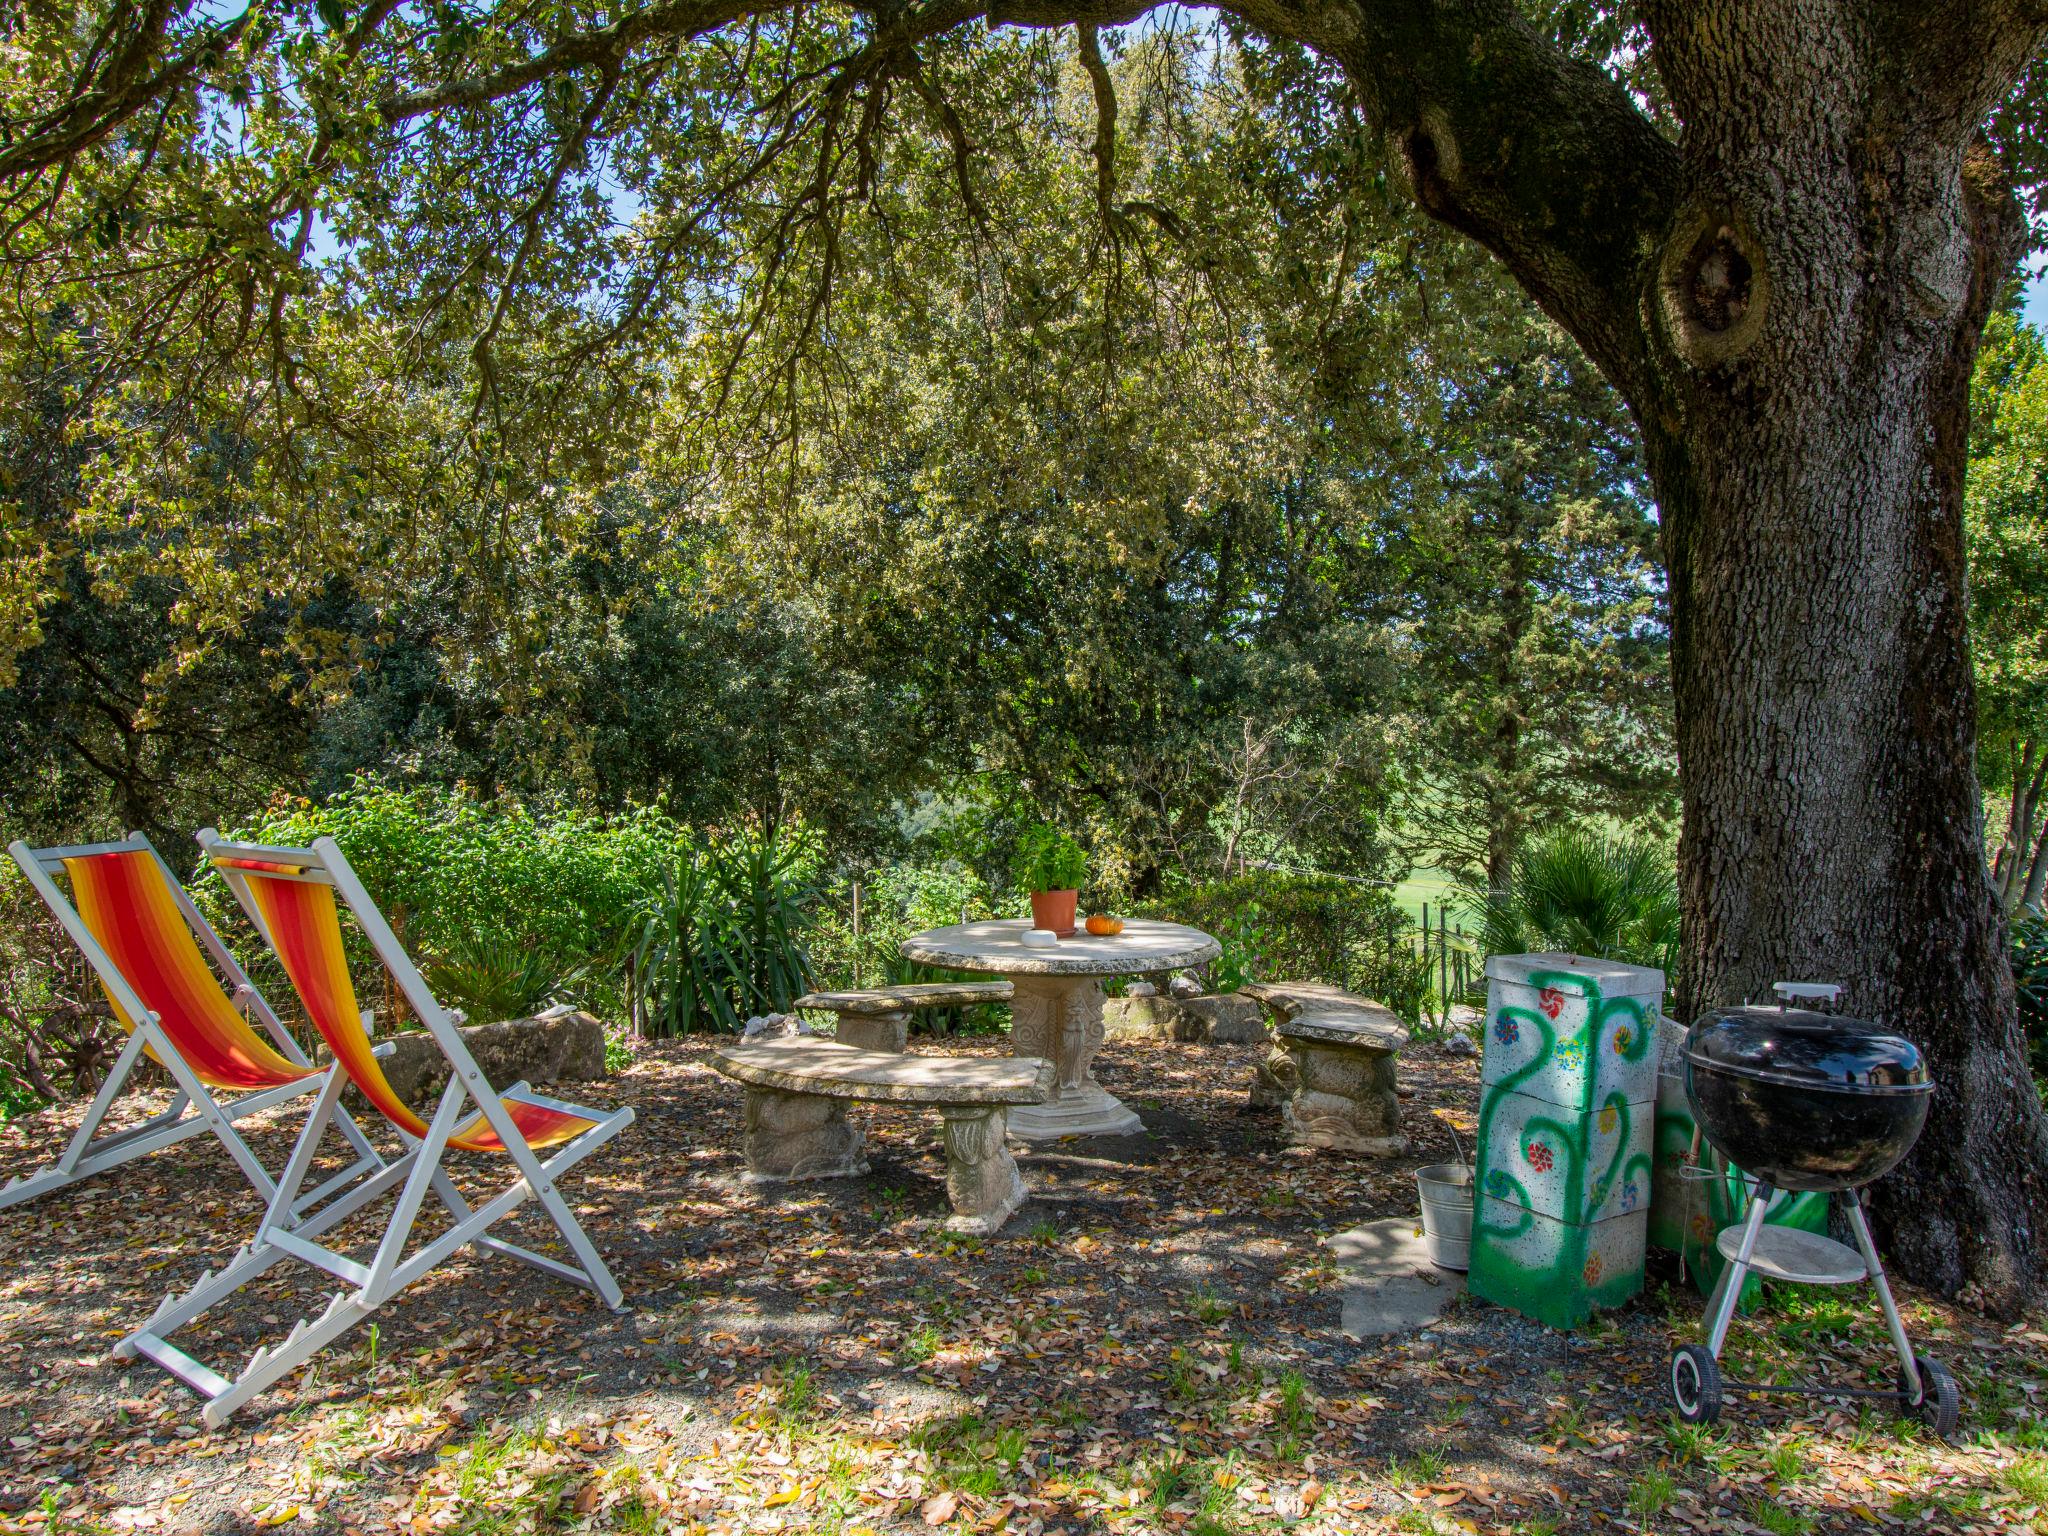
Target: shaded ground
{"points": [[1152, 1344]]}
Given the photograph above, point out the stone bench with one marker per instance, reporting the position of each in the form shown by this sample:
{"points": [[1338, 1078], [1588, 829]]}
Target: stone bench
{"points": [[796, 1126], [1331, 1070], [1343, 1095], [879, 1019]]}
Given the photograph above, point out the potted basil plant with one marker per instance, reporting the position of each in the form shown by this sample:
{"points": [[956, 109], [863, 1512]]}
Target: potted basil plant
{"points": [[1050, 865]]}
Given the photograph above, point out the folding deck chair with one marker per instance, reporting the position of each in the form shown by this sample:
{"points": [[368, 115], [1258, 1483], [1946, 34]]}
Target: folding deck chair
{"points": [[289, 893], [136, 926]]}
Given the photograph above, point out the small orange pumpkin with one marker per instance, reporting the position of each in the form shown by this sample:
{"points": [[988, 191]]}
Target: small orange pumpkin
{"points": [[1103, 926]]}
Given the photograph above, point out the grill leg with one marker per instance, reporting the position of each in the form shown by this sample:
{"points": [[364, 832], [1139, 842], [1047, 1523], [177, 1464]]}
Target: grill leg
{"points": [[1854, 1200], [1730, 1289]]}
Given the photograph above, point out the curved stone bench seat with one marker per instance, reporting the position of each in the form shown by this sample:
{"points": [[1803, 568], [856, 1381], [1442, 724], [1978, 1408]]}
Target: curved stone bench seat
{"points": [[878, 1019], [796, 1125], [1331, 1069]]}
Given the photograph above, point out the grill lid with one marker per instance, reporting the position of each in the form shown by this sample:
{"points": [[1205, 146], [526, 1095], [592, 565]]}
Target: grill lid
{"points": [[1802, 1049]]}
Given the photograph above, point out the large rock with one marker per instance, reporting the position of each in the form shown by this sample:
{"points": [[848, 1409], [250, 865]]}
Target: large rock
{"points": [[1224, 1018], [560, 1046]]}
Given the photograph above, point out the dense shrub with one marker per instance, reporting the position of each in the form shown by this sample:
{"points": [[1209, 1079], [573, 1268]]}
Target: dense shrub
{"points": [[505, 909], [897, 900], [1276, 926]]}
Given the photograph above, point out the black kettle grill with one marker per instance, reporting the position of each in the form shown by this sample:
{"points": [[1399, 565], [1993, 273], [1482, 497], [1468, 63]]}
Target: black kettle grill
{"points": [[1804, 1100]]}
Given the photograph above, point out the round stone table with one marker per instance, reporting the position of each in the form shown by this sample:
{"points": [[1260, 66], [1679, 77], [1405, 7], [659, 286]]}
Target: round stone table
{"points": [[1057, 1010]]}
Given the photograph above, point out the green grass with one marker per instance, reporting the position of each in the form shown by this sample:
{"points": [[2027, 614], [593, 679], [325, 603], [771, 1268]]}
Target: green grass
{"points": [[796, 1396], [2027, 1477], [1652, 1493], [1777, 1518], [1415, 1471], [1297, 1408], [1430, 885]]}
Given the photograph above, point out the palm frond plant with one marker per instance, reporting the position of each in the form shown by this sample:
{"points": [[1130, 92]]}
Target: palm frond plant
{"points": [[1577, 892], [501, 976]]}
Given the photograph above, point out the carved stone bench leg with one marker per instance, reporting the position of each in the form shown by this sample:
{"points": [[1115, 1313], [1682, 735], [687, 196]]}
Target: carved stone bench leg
{"points": [[875, 1031], [1343, 1099], [1273, 1079], [981, 1177], [801, 1136]]}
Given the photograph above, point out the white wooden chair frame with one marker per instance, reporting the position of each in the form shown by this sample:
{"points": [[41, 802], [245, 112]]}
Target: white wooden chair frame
{"points": [[193, 1109], [284, 1233]]}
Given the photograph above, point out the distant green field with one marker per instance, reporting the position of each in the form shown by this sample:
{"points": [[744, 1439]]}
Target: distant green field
{"points": [[1425, 884]]}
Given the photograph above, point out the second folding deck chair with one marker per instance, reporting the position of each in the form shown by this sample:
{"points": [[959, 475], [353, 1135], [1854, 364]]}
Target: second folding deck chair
{"points": [[289, 893], [142, 936]]}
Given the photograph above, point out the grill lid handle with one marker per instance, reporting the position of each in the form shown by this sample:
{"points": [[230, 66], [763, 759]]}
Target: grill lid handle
{"points": [[1807, 991]]}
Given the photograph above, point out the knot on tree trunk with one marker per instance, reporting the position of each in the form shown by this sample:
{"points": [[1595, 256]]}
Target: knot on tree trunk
{"points": [[1713, 287], [1425, 156]]}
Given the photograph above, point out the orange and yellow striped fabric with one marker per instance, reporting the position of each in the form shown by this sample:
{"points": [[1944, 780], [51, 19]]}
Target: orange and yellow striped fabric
{"points": [[305, 930], [125, 900]]}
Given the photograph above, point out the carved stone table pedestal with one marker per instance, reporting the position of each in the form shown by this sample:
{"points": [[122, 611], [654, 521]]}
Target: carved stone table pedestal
{"points": [[1056, 1008]]}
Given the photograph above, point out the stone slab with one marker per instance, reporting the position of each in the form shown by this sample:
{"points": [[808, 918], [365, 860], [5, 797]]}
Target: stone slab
{"points": [[1379, 1030], [1387, 1283], [1288, 998], [998, 945], [936, 994], [832, 1070], [1218, 1019]]}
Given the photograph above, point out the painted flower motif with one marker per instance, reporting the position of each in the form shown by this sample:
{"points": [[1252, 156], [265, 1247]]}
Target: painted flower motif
{"points": [[1541, 1158], [1629, 1195], [1597, 1195], [1622, 1040], [1702, 1229], [1499, 1185], [1506, 1030], [1551, 1001], [1610, 1117], [1593, 1267], [1571, 1054]]}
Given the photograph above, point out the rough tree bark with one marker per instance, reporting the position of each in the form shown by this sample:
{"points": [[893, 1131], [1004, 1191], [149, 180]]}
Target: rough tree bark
{"points": [[1789, 298]]}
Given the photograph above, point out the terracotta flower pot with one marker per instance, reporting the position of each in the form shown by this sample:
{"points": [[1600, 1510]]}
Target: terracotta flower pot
{"points": [[1054, 910]]}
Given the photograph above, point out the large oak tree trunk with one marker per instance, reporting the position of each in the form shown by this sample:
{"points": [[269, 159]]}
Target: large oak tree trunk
{"points": [[1793, 323], [1812, 495]]}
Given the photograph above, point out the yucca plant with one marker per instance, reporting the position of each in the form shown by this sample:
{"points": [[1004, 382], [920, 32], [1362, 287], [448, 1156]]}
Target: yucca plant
{"points": [[724, 937], [682, 966], [1584, 894], [767, 892]]}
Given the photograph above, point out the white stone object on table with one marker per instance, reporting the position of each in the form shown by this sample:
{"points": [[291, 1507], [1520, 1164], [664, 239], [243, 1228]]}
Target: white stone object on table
{"points": [[1057, 1009], [796, 1125], [1041, 938]]}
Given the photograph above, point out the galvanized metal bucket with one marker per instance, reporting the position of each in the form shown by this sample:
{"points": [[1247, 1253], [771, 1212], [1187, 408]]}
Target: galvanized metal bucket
{"points": [[1446, 1190]]}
